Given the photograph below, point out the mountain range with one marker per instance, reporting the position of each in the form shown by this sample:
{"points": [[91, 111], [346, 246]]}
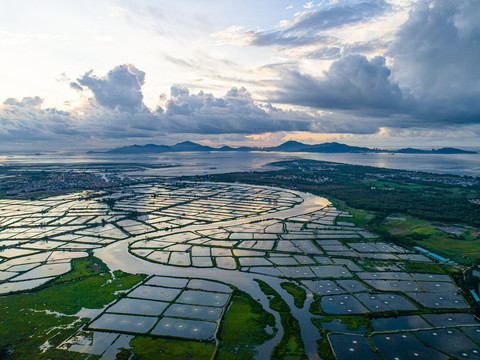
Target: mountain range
{"points": [[289, 146]]}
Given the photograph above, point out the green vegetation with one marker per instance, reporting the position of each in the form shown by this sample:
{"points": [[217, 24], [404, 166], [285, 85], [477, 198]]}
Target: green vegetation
{"points": [[26, 337], [430, 268], [299, 294], [88, 284], [372, 194], [243, 328], [423, 195], [291, 345], [324, 349], [402, 207], [360, 217], [315, 308], [276, 301], [412, 231], [353, 322], [146, 348]]}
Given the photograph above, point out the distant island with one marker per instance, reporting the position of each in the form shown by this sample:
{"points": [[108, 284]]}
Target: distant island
{"points": [[289, 146]]}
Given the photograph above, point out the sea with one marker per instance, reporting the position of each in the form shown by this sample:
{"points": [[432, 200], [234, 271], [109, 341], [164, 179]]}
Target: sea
{"points": [[201, 163]]}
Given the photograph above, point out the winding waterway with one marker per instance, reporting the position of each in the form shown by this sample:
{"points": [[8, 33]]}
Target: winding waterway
{"points": [[117, 257]]}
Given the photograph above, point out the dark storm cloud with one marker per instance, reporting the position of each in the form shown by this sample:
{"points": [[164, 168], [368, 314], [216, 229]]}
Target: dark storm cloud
{"points": [[434, 80], [351, 83], [436, 55], [438, 48], [25, 121], [120, 89], [308, 27]]}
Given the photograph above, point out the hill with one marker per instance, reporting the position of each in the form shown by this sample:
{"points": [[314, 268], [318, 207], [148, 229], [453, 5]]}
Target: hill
{"points": [[289, 146]]}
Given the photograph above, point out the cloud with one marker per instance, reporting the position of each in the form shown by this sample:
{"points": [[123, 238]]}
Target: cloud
{"points": [[337, 16], [119, 89], [203, 64], [309, 26], [427, 81], [116, 110], [75, 86], [236, 112], [437, 49], [25, 120], [26, 102], [339, 50], [157, 17], [284, 39], [434, 81], [351, 83], [435, 56]]}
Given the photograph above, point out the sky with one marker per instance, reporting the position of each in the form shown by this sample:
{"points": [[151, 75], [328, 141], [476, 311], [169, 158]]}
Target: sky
{"points": [[100, 74]]}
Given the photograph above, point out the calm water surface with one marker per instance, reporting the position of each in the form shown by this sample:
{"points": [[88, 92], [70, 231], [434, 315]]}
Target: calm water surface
{"points": [[198, 163]]}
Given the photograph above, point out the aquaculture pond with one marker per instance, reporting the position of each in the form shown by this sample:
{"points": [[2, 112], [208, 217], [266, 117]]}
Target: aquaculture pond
{"points": [[200, 252]]}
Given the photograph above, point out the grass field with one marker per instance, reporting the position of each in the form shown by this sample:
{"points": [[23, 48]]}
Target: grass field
{"points": [[464, 248], [243, 328], [291, 345], [299, 294], [28, 320], [146, 348], [360, 217]]}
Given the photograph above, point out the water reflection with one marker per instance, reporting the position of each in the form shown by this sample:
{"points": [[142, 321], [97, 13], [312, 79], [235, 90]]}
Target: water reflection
{"points": [[189, 163]]}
